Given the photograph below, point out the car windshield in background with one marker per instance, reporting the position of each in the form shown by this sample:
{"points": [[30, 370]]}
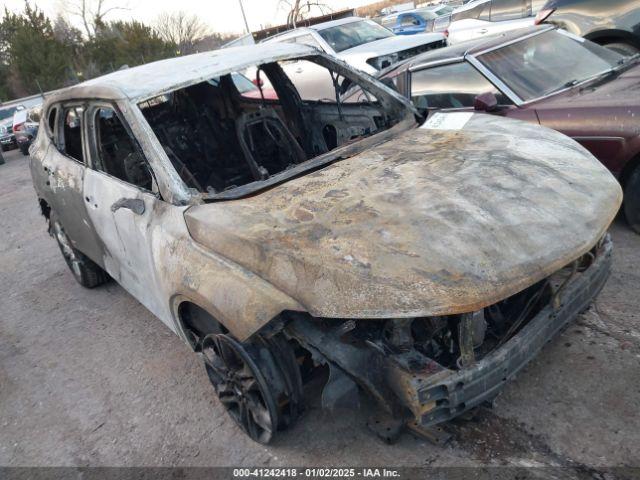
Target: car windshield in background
{"points": [[351, 35], [7, 113], [546, 63]]}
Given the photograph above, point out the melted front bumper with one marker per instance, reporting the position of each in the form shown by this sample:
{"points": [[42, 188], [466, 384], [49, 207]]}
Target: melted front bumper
{"points": [[430, 392], [447, 394]]}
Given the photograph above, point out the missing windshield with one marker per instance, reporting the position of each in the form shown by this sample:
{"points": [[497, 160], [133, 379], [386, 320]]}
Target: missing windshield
{"points": [[246, 127]]}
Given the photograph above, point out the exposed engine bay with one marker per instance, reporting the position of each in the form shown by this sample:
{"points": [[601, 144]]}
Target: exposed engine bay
{"points": [[231, 130]]}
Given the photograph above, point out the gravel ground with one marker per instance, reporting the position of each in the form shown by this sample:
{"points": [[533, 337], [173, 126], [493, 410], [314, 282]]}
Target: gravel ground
{"points": [[91, 378]]}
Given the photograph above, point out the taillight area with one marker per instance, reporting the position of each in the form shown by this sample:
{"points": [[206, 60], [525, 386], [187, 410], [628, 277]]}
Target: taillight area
{"points": [[17, 128], [543, 15], [446, 33]]}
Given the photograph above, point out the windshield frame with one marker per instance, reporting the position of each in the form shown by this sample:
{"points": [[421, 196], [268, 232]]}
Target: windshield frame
{"points": [[474, 59], [366, 21]]}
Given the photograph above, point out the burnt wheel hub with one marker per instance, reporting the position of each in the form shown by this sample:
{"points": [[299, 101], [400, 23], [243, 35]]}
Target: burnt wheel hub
{"points": [[239, 377]]}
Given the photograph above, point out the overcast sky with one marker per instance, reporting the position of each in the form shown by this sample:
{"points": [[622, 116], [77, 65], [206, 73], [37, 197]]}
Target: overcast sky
{"points": [[221, 15]]}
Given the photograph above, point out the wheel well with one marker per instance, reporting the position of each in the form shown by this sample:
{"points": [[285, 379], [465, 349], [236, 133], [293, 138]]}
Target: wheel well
{"points": [[628, 169], [610, 36], [197, 323]]}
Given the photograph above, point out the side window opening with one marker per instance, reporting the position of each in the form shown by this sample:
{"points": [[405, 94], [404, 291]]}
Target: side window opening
{"points": [[71, 141], [117, 152], [450, 86], [219, 138]]}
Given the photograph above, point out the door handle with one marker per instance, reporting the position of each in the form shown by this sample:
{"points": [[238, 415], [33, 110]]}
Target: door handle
{"points": [[299, 70], [134, 204], [483, 31]]}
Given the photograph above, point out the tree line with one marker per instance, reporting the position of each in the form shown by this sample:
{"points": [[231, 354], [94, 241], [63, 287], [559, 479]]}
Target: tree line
{"points": [[38, 53]]}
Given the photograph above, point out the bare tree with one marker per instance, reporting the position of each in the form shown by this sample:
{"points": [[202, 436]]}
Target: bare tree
{"points": [[92, 13], [183, 30], [301, 9]]}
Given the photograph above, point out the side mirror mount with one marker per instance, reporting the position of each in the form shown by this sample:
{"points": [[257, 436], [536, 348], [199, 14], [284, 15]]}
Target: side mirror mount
{"points": [[486, 102]]}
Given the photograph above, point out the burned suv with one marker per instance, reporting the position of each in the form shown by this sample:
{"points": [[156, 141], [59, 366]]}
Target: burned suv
{"points": [[421, 263]]}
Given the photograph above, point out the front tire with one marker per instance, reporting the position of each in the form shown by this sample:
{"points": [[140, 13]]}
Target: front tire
{"points": [[632, 199], [86, 272], [622, 48], [257, 382]]}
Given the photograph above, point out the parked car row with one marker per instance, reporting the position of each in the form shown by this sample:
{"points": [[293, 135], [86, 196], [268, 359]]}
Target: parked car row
{"points": [[360, 42], [614, 23]]}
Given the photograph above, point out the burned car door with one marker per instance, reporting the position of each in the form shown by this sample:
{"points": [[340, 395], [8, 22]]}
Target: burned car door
{"points": [[121, 203], [63, 168]]}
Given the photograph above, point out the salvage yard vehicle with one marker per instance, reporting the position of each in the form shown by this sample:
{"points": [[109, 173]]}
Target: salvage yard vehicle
{"points": [[541, 75], [7, 138], [360, 42], [25, 127], [424, 264], [415, 21]]}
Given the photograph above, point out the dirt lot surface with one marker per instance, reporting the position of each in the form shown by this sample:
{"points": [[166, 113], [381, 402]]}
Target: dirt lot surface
{"points": [[89, 377]]}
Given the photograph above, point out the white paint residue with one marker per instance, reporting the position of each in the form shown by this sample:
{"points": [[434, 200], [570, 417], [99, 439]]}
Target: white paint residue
{"points": [[447, 121]]}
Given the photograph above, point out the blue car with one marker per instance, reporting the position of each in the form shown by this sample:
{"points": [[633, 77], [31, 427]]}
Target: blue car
{"points": [[415, 21]]}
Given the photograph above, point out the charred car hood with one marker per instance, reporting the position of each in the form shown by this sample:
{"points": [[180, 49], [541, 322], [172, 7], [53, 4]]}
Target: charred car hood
{"points": [[432, 222]]}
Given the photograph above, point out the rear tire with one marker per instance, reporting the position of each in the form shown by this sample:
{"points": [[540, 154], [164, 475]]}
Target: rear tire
{"points": [[86, 272], [622, 48], [632, 199], [24, 148]]}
